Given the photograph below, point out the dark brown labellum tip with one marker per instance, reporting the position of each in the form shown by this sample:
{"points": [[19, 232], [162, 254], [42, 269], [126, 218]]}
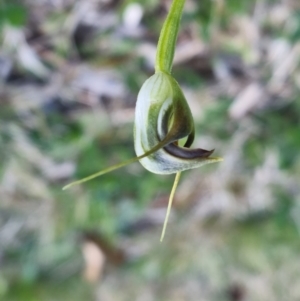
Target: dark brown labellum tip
{"points": [[187, 153]]}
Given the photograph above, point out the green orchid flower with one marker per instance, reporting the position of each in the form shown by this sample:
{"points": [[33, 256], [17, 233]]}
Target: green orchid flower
{"points": [[163, 117]]}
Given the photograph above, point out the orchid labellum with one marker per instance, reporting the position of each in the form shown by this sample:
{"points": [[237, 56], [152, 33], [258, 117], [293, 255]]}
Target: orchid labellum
{"points": [[163, 117]]}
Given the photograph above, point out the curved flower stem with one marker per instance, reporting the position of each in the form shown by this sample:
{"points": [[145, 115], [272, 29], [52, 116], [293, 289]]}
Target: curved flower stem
{"points": [[168, 38], [164, 61], [176, 181]]}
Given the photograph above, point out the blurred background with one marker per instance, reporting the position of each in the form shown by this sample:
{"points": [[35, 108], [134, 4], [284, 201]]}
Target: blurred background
{"points": [[70, 72]]}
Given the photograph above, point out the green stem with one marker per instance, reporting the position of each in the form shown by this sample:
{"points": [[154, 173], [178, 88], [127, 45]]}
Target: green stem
{"points": [[168, 38], [170, 205]]}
